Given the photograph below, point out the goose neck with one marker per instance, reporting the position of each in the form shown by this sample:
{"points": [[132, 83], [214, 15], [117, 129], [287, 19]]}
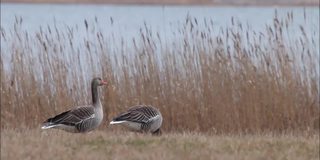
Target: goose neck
{"points": [[95, 94]]}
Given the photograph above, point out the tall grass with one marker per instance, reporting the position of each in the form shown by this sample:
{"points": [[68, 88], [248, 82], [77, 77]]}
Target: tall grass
{"points": [[231, 80]]}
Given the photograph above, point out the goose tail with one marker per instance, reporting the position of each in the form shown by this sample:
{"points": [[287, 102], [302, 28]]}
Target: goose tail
{"points": [[47, 125], [116, 122]]}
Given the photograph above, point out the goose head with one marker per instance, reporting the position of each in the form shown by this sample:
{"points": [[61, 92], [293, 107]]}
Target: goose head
{"points": [[99, 82]]}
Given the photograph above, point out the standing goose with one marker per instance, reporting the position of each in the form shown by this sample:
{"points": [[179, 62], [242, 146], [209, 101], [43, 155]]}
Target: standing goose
{"points": [[82, 118], [141, 118]]}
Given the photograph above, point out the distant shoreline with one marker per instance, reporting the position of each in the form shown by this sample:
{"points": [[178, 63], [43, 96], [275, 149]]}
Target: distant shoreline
{"points": [[308, 3]]}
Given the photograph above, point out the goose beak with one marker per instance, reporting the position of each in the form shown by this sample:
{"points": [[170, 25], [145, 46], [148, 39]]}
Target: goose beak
{"points": [[104, 82]]}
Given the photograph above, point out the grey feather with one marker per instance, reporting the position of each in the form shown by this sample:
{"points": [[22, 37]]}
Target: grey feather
{"points": [[141, 118], [82, 118]]}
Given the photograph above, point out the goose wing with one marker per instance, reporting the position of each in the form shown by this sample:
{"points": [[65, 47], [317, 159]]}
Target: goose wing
{"points": [[74, 117], [139, 114]]}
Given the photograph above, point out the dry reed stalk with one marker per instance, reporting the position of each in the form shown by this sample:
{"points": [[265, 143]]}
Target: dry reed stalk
{"points": [[230, 82]]}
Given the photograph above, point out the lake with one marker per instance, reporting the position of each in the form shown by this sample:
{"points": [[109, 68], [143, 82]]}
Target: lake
{"points": [[127, 20]]}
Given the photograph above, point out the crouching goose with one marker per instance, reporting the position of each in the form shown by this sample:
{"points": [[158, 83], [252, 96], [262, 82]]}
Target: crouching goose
{"points": [[82, 118], [141, 118]]}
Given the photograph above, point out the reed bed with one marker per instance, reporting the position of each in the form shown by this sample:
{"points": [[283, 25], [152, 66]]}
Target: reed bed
{"points": [[227, 80]]}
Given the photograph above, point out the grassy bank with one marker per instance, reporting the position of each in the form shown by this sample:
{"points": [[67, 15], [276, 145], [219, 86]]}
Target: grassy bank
{"points": [[35, 144]]}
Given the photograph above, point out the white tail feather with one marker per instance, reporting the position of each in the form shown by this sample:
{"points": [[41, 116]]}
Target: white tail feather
{"points": [[47, 125], [116, 122]]}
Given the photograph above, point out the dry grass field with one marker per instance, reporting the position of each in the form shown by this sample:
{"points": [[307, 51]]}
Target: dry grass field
{"points": [[240, 94], [104, 144]]}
